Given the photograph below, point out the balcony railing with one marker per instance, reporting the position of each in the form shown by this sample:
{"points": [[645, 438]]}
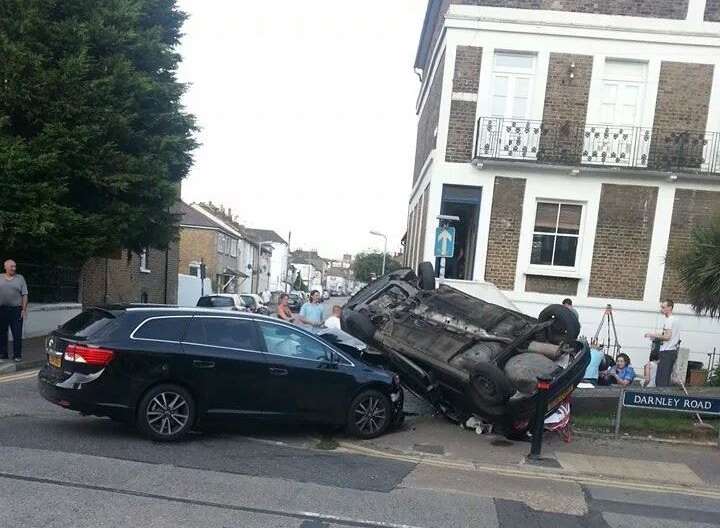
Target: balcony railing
{"points": [[598, 145]]}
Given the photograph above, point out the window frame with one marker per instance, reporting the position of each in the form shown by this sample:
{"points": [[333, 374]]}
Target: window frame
{"points": [[148, 319], [343, 360], [555, 268], [144, 254], [258, 335], [512, 74]]}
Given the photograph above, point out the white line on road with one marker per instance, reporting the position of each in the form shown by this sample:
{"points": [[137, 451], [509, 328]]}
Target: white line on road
{"points": [[19, 376]]}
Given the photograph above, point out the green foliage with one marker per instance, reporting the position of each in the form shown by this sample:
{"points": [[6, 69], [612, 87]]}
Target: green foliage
{"points": [[714, 377], [93, 138], [366, 264], [699, 268]]}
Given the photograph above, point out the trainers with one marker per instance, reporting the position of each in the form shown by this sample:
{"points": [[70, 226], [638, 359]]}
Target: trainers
{"points": [[17, 360]]}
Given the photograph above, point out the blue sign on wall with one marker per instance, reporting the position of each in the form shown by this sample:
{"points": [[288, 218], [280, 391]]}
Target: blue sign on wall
{"points": [[445, 242], [672, 402]]}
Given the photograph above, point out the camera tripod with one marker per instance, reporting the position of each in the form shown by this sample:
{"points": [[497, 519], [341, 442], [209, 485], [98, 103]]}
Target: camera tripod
{"points": [[612, 345]]}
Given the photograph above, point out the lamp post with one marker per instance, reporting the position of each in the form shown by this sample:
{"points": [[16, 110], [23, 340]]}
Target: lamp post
{"points": [[378, 233]]}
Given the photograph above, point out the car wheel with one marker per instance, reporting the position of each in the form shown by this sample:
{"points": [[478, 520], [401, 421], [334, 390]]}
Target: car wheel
{"points": [[491, 384], [426, 276], [370, 414], [166, 413], [565, 327], [359, 325]]}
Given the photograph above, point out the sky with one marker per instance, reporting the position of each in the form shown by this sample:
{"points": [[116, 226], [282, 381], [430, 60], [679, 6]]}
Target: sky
{"points": [[307, 115]]}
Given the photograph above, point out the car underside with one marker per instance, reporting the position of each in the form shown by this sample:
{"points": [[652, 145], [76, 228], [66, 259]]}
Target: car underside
{"points": [[467, 356]]}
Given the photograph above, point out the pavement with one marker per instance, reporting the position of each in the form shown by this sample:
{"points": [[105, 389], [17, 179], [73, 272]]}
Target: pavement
{"points": [[58, 468], [33, 356]]}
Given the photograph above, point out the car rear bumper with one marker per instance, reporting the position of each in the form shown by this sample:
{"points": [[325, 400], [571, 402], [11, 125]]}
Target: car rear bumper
{"points": [[78, 394]]}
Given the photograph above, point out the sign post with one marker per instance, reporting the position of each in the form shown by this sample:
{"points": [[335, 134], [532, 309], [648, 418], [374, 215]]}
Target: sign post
{"points": [[444, 245]]}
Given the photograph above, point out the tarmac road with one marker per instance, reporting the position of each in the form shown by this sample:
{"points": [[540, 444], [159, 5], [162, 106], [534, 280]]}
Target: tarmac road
{"points": [[61, 469]]}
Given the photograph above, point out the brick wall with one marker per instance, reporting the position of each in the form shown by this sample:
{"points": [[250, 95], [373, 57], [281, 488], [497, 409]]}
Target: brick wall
{"points": [[461, 126], [674, 9], [681, 107], [126, 283], [428, 122], [196, 244], [504, 235], [691, 208], [556, 285], [622, 241], [712, 11], [565, 107]]}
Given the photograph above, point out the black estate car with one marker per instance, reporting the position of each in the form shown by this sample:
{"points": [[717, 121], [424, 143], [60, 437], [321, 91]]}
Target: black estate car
{"points": [[168, 369]]}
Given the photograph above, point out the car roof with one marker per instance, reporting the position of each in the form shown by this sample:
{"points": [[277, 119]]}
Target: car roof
{"points": [[194, 310]]}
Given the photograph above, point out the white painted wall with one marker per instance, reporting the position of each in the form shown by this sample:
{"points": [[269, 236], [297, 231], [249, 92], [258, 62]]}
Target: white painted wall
{"points": [[44, 318], [278, 266]]}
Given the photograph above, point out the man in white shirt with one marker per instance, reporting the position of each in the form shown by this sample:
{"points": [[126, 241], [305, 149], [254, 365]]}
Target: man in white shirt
{"points": [[669, 339], [334, 320]]}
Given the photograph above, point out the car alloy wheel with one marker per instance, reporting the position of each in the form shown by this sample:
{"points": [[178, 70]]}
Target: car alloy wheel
{"points": [[168, 413], [370, 414]]}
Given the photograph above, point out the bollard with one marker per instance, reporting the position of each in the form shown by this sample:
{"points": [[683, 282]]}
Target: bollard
{"points": [[543, 385]]}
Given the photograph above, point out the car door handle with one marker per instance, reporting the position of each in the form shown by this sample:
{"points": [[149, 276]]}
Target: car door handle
{"points": [[278, 371], [203, 364]]}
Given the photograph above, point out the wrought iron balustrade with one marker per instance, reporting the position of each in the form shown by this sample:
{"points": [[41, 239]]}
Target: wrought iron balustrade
{"points": [[599, 145]]}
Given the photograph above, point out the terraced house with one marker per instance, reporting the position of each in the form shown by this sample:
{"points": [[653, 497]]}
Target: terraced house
{"points": [[579, 143]]}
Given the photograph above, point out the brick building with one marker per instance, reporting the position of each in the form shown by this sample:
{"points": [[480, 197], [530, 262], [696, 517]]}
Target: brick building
{"points": [[128, 277], [579, 143]]}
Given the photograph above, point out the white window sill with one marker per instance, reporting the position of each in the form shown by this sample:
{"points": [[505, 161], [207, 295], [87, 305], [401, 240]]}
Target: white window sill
{"points": [[553, 272], [143, 270]]}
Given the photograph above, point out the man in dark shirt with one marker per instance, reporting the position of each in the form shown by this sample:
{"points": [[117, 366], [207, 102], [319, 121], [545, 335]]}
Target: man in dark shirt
{"points": [[13, 309]]}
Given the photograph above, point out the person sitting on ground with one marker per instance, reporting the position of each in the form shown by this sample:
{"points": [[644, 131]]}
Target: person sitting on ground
{"points": [[650, 372], [334, 320], [622, 373], [592, 372], [283, 310], [311, 313]]}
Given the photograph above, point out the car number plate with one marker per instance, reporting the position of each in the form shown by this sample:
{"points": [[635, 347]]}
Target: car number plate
{"points": [[560, 397], [55, 361]]}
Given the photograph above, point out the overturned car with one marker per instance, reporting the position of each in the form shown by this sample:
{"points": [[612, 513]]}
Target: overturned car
{"points": [[464, 355]]}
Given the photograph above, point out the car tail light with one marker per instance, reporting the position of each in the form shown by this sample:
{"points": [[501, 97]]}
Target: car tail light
{"points": [[89, 355]]}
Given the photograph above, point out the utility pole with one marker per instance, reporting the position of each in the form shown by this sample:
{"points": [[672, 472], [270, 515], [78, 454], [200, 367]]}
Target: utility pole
{"points": [[377, 233]]}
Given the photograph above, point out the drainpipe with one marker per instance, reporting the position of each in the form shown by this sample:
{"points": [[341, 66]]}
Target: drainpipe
{"points": [[167, 259]]}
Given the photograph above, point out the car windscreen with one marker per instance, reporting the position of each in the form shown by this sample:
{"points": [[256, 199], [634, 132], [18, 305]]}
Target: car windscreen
{"points": [[248, 300], [215, 302], [87, 323]]}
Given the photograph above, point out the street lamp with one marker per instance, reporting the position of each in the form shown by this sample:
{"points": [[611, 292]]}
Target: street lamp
{"points": [[378, 233]]}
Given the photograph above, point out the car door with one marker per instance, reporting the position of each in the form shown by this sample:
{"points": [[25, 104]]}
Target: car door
{"points": [[303, 381], [229, 351]]}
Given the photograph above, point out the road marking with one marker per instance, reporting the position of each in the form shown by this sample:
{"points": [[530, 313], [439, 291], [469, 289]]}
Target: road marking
{"points": [[304, 515], [545, 474], [19, 376]]}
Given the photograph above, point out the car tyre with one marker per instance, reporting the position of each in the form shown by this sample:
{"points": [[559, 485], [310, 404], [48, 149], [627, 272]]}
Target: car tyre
{"points": [[491, 384], [359, 325], [370, 414], [166, 413], [565, 328], [426, 276]]}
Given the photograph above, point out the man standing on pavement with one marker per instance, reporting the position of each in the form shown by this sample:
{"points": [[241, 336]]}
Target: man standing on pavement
{"points": [[669, 341], [13, 309], [312, 313]]}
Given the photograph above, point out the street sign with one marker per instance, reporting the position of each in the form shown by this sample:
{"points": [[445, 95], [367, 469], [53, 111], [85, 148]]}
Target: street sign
{"points": [[672, 402], [445, 242]]}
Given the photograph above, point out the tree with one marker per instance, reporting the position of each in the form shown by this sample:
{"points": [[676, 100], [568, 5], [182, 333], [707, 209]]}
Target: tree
{"points": [[699, 268], [93, 138], [368, 263]]}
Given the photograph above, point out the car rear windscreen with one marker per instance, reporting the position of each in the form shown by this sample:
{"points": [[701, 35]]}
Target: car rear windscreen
{"points": [[215, 301], [87, 323]]}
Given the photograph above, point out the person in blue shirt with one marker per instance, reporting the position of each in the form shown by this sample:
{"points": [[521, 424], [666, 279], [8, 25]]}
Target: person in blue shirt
{"points": [[312, 313], [622, 373], [592, 372]]}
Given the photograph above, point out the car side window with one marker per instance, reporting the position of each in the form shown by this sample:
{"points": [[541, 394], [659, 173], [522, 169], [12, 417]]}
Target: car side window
{"points": [[227, 332], [283, 341], [162, 329]]}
